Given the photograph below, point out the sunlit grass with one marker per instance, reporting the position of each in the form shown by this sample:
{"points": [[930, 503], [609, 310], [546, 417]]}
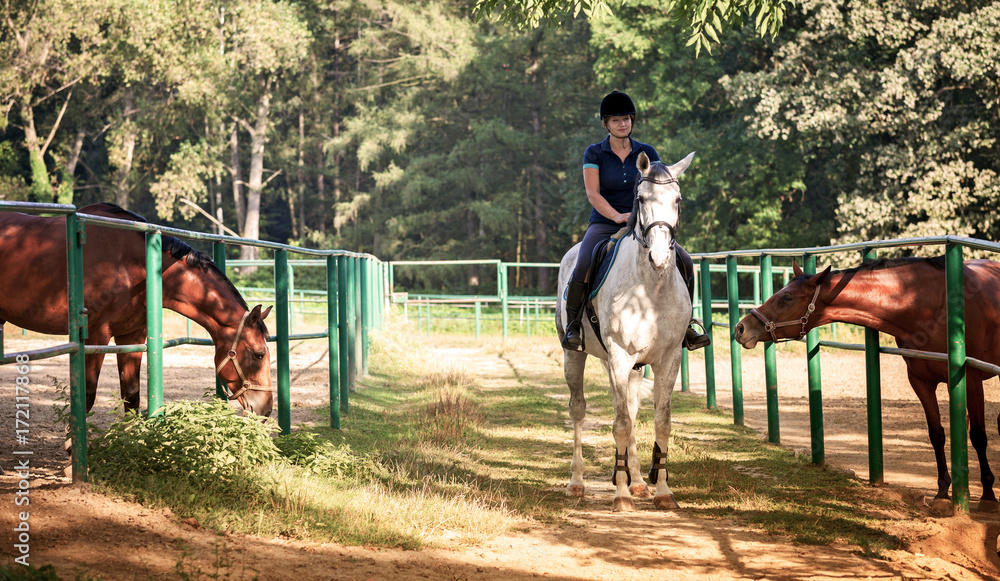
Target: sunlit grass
{"points": [[437, 451]]}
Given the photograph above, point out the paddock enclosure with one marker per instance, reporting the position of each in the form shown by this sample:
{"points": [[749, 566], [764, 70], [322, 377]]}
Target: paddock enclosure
{"points": [[853, 411]]}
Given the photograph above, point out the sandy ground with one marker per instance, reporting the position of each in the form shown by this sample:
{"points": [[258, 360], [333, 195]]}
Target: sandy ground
{"points": [[74, 529]]}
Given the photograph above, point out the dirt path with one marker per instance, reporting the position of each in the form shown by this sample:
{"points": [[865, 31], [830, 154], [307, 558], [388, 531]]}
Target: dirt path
{"points": [[75, 529]]}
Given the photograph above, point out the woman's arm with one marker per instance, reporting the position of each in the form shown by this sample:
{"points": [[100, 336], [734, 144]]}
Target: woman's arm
{"points": [[592, 183]]}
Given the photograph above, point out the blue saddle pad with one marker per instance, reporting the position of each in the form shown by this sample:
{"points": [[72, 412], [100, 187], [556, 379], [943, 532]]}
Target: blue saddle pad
{"points": [[602, 270]]}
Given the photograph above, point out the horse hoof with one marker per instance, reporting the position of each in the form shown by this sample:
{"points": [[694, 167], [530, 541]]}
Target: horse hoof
{"points": [[575, 490], [623, 504], [639, 491], [942, 507], [988, 506], [666, 502]]}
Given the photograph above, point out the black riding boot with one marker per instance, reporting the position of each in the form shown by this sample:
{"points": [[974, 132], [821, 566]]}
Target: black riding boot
{"points": [[693, 339], [573, 339]]}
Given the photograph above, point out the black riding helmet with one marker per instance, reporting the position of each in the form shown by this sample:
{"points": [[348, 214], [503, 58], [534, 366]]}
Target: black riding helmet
{"points": [[616, 103]]}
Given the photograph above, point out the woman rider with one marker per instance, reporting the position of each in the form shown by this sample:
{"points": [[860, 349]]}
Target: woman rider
{"points": [[609, 172]]}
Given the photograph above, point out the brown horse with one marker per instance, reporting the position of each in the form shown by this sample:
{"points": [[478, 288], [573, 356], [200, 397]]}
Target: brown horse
{"points": [[33, 295], [905, 298]]}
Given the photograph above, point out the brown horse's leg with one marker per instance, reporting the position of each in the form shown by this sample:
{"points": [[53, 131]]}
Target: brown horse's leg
{"points": [[925, 391], [977, 434], [129, 365], [93, 364]]}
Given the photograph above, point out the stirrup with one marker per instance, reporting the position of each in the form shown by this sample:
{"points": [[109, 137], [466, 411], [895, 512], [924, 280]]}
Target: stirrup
{"points": [[694, 340]]}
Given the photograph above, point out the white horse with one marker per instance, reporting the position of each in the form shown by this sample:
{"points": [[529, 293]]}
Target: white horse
{"points": [[644, 310]]}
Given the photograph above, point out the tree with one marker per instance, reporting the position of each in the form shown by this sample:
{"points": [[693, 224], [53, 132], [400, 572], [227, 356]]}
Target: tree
{"points": [[705, 19], [893, 106], [47, 48], [741, 190]]}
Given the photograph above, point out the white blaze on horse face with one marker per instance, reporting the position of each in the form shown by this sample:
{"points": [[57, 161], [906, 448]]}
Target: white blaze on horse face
{"points": [[660, 203]]}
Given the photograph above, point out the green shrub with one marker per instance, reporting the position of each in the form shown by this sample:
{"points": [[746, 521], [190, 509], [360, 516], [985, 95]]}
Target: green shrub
{"points": [[198, 440], [324, 457]]}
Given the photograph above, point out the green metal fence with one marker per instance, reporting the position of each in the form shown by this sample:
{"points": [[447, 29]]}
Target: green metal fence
{"points": [[956, 357], [357, 287]]}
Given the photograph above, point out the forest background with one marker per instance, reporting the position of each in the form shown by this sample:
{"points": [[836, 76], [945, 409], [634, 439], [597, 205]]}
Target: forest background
{"points": [[412, 130]]}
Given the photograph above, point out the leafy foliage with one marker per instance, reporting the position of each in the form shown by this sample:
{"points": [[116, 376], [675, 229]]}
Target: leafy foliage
{"points": [[324, 457], [894, 109], [201, 441]]}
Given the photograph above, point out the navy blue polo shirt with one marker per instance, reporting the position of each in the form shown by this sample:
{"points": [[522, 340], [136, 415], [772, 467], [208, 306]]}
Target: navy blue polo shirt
{"points": [[617, 176]]}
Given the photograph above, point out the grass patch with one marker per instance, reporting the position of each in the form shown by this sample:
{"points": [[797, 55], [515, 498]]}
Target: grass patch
{"points": [[435, 452], [720, 470]]}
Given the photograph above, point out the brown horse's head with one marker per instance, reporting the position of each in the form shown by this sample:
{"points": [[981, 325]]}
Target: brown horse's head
{"points": [[785, 316], [243, 362]]}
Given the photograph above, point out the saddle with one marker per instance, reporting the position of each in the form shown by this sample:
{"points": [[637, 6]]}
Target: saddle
{"points": [[600, 264]]}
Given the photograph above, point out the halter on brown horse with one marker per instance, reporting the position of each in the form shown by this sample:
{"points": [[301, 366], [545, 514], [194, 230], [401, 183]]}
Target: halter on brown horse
{"points": [[33, 296], [905, 298]]}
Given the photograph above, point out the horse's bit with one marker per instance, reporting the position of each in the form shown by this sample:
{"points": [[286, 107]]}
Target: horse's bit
{"points": [[770, 326], [247, 386], [645, 230]]}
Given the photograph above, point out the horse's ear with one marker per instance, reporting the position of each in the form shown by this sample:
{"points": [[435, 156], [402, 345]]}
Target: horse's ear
{"points": [[678, 168], [821, 277], [256, 315], [642, 163], [795, 268]]}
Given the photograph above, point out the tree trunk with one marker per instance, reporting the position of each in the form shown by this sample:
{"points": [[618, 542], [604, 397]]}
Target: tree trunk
{"points": [[541, 233], [236, 170], [300, 185], [255, 177], [41, 189], [74, 152], [128, 149]]}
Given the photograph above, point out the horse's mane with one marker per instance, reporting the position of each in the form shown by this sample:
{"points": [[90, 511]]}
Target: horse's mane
{"points": [[182, 251], [657, 170]]}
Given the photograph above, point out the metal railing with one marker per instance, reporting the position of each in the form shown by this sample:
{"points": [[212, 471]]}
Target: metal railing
{"points": [[956, 356], [357, 306]]}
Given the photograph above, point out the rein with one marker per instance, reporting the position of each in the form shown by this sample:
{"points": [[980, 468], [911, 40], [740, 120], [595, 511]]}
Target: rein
{"points": [[231, 356], [770, 326], [645, 230]]}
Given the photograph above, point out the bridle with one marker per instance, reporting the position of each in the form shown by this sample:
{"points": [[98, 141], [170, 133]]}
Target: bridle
{"points": [[644, 230], [770, 326], [231, 356]]}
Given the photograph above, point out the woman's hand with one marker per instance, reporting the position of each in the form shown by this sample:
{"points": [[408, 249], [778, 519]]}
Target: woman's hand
{"points": [[622, 218]]}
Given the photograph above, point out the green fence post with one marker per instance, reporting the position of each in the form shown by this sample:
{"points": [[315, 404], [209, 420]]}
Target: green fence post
{"points": [[685, 372], [732, 282], [770, 363], [955, 278], [815, 383], [502, 282], [427, 314], [291, 296], [343, 334], [219, 254], [706, 310], [77, 321], [365, 312], [154, 324], [281, 305], [333, 343], [352, 318], [479, 319], [873, 373]]}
